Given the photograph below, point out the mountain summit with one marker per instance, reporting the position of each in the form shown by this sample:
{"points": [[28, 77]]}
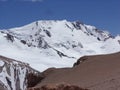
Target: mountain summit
{"points": [[45, 44]]}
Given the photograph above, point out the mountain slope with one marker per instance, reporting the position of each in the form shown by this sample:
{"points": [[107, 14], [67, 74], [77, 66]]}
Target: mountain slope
{"points": [[97, 72], [14, 75], [45, 44]]}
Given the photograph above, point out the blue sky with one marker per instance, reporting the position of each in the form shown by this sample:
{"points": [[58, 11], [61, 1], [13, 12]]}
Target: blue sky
{"points": [[104, 14]]}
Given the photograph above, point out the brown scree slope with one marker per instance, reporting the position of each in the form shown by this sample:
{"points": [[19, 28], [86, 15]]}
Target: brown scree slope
{"points": [[100, 72]]}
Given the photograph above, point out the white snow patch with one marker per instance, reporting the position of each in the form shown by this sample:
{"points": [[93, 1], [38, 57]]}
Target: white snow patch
{"points": [[1, 63]]}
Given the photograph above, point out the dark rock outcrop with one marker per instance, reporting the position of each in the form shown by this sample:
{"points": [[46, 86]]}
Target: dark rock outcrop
{"points": [[82, 59], [33, 79], [9, 37]]}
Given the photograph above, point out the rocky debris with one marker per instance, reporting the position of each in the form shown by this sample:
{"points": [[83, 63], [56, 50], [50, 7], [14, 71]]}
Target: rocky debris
{"points": [[57, 87]]}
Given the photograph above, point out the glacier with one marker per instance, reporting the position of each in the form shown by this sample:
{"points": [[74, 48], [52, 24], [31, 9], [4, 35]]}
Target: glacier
{"points": [[55, 43]]}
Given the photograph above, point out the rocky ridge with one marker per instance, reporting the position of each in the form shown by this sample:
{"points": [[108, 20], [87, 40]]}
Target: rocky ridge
{"points": [[14, 75]]}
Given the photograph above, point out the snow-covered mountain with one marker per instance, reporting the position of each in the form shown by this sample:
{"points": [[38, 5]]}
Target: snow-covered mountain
{"points": [[14, 74], [45, 44]]}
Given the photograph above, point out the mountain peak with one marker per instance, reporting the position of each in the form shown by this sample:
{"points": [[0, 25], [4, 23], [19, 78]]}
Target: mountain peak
{"points": [[58, 43]]}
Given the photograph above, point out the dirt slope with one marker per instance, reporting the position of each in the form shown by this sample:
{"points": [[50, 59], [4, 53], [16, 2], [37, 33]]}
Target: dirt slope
{"points": [[101, 72]]}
